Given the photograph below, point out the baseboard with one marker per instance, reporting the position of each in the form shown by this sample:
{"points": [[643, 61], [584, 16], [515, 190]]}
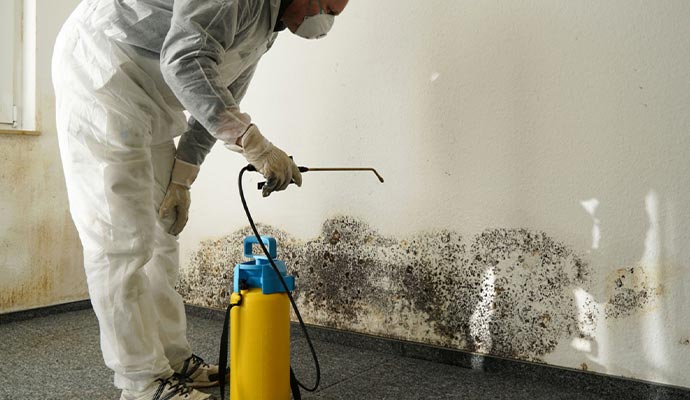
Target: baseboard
{"points": [[44, 311]]}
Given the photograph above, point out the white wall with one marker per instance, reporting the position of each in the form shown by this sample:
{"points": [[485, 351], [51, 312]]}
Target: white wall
{"points": [[40, 255], [496, 114], [480, 115]]}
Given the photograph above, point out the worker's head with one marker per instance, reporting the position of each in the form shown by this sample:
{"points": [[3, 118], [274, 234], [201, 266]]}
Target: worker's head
{"points": [[312, 19]]}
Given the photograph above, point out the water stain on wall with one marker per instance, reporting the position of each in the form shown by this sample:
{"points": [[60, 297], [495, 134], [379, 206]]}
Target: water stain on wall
{"points": [[30, 292], [40, 258], [505, 292], [40, 283]]}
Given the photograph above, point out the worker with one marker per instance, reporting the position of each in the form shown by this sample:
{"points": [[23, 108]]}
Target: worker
{"points": [[124, 72]]}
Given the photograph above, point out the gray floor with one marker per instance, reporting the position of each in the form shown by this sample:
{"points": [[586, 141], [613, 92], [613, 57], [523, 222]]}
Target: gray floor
{"points": [[58, 357]]}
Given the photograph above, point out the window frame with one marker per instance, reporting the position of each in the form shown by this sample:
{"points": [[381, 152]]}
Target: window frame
{"points": [[10, 52]]}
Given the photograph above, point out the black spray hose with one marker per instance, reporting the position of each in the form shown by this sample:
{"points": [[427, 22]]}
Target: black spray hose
{"points": [[223, 356], [282, 281], [295, 384]]}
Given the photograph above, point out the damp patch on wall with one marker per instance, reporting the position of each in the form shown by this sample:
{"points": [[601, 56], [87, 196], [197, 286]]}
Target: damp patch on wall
{"points": [[504, 292]]}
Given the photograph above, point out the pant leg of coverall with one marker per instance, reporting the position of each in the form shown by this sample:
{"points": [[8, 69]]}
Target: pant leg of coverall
{"points": [[112, 207], [105, 124], [163, 268]]}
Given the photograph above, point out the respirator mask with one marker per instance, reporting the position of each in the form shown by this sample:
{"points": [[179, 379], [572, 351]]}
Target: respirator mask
{"points": [[316, 26]]}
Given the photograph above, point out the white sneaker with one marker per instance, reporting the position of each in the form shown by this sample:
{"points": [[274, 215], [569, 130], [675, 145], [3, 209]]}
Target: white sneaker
{"points": [[166, 389], [196, 373]]}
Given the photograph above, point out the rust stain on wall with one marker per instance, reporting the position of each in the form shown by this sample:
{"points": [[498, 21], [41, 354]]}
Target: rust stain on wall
{"points": [[505, 292]]}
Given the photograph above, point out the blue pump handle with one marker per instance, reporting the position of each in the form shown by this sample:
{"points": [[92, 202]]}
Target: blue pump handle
{"points": [[268, 241]]}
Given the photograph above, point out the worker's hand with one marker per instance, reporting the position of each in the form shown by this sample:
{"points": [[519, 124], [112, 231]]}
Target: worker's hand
{"points": [[177, 198], [278, 169]]}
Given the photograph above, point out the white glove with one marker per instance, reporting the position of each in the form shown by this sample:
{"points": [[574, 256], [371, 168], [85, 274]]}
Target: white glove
{"points": [[177, 196], [278, 169]]}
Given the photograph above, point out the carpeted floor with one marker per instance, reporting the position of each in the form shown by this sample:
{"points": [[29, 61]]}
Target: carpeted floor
{"points": [[58, 357]]}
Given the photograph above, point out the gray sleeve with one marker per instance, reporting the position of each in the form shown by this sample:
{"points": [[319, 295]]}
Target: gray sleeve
{"points": [[196, 142], [200, 33], [239, 87]]}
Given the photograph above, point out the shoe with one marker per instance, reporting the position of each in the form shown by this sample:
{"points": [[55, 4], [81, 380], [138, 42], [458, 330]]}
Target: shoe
{"points": [[196, 373], [166, 389]]}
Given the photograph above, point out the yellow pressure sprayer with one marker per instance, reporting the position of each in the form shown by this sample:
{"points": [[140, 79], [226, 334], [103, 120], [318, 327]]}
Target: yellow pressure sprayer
{"points": [[260, 327], [259, 317], [259, 320]]}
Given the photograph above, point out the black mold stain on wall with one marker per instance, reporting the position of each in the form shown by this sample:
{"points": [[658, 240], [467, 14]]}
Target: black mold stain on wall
{"points": [[506, 292], [630, 290], [510, 295], [341, 272]]}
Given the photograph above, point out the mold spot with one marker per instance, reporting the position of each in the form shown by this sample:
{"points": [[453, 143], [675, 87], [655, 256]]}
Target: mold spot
{"points": [[630, 290], [506, 292], [508, 295], [335, 237]]}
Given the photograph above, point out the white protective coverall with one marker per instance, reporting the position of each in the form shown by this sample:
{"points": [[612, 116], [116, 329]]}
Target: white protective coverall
{"points": [[123, 72]]}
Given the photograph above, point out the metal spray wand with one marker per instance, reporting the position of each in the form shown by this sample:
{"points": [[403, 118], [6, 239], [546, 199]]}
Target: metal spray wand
{"points": [[338, 169]]}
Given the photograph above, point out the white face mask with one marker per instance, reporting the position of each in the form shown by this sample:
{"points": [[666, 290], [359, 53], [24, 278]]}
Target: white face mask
{"points": [[316, 26]]}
